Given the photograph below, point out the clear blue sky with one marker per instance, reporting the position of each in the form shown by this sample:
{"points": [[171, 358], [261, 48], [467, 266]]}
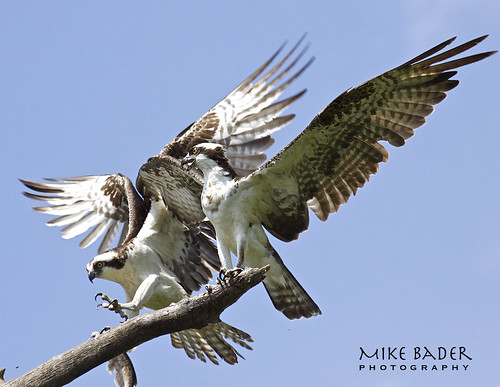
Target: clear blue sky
{"points": [[412, 260]]}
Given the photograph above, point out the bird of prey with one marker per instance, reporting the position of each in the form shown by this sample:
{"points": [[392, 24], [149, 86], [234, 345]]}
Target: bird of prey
{"points": [[165, 252], [164, 263], [324, 165]]}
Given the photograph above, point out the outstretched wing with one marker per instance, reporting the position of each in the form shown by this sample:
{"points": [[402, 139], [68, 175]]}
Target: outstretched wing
{"points": [[339, 150], [100, 204], [243, 122], [246, 118]]}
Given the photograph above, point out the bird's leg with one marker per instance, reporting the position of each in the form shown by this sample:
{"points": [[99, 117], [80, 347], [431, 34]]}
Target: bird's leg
{"points": [[241, 245], [224, 256], [141, 296], [225, 261]]}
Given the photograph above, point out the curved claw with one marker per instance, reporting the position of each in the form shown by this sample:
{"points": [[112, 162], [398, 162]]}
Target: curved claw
{"points": [[209, 288], [106, 305], [224, 274], [234, 272], [110, 304], [221, 278]]}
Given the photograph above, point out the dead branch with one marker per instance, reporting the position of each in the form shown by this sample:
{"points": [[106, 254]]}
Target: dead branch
{"points": [[191, 313]]}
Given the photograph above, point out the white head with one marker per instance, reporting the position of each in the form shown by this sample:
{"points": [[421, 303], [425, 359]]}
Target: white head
{"points": [[207, 157], [107, 265]]}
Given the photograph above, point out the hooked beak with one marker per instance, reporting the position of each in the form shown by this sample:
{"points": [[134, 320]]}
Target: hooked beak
{"points": [[189, 161], [91, 272]]}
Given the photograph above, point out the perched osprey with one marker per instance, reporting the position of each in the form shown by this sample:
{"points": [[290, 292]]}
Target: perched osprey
{"points": [[320, 169], [165, 251], [162, 265]]}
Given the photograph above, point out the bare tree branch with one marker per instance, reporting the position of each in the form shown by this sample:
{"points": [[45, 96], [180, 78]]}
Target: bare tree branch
{"points": [[191, 313], [121, 366]]}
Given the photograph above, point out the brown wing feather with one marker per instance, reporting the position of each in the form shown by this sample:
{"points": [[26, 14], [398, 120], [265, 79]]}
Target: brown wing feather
{"points": [[339, 150], [243, 121], [101, 204], [247, 114], [180, 189]]}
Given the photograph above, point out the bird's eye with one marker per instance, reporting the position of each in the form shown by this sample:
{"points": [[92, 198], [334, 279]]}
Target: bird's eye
{"points": [[99, 265], [194, 151]]}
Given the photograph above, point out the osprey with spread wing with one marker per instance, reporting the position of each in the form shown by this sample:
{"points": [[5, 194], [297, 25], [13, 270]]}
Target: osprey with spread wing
{"points": [[165, 250], [322, 167]]}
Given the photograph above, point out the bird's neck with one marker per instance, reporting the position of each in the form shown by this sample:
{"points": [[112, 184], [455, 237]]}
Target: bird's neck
{"points": [[216, 172], [217, 175]]}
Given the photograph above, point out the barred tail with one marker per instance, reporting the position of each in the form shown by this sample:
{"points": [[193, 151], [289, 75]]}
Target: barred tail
{"points": [[211, 340], [286, 293]]}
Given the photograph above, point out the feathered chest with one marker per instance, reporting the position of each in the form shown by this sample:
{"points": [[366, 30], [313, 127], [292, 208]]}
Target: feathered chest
{"points": [[217, 192]]}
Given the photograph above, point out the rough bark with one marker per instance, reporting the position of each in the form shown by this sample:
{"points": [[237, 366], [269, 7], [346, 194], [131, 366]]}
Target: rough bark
{"points": [[194, 312]]}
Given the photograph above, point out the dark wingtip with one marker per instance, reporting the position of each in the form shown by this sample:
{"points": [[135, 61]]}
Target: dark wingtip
{"points": [[481, 38], [25, 182]]}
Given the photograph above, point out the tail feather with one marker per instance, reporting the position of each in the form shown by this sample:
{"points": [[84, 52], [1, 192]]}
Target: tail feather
{"points": [[193, 344], [286, 293], [236, 335], [211, 340]]}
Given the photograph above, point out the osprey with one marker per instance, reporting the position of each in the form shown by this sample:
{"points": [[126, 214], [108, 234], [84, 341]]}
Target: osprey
{"points": [[323, 166], [165, 251], [161, 265], [243, 122]]}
